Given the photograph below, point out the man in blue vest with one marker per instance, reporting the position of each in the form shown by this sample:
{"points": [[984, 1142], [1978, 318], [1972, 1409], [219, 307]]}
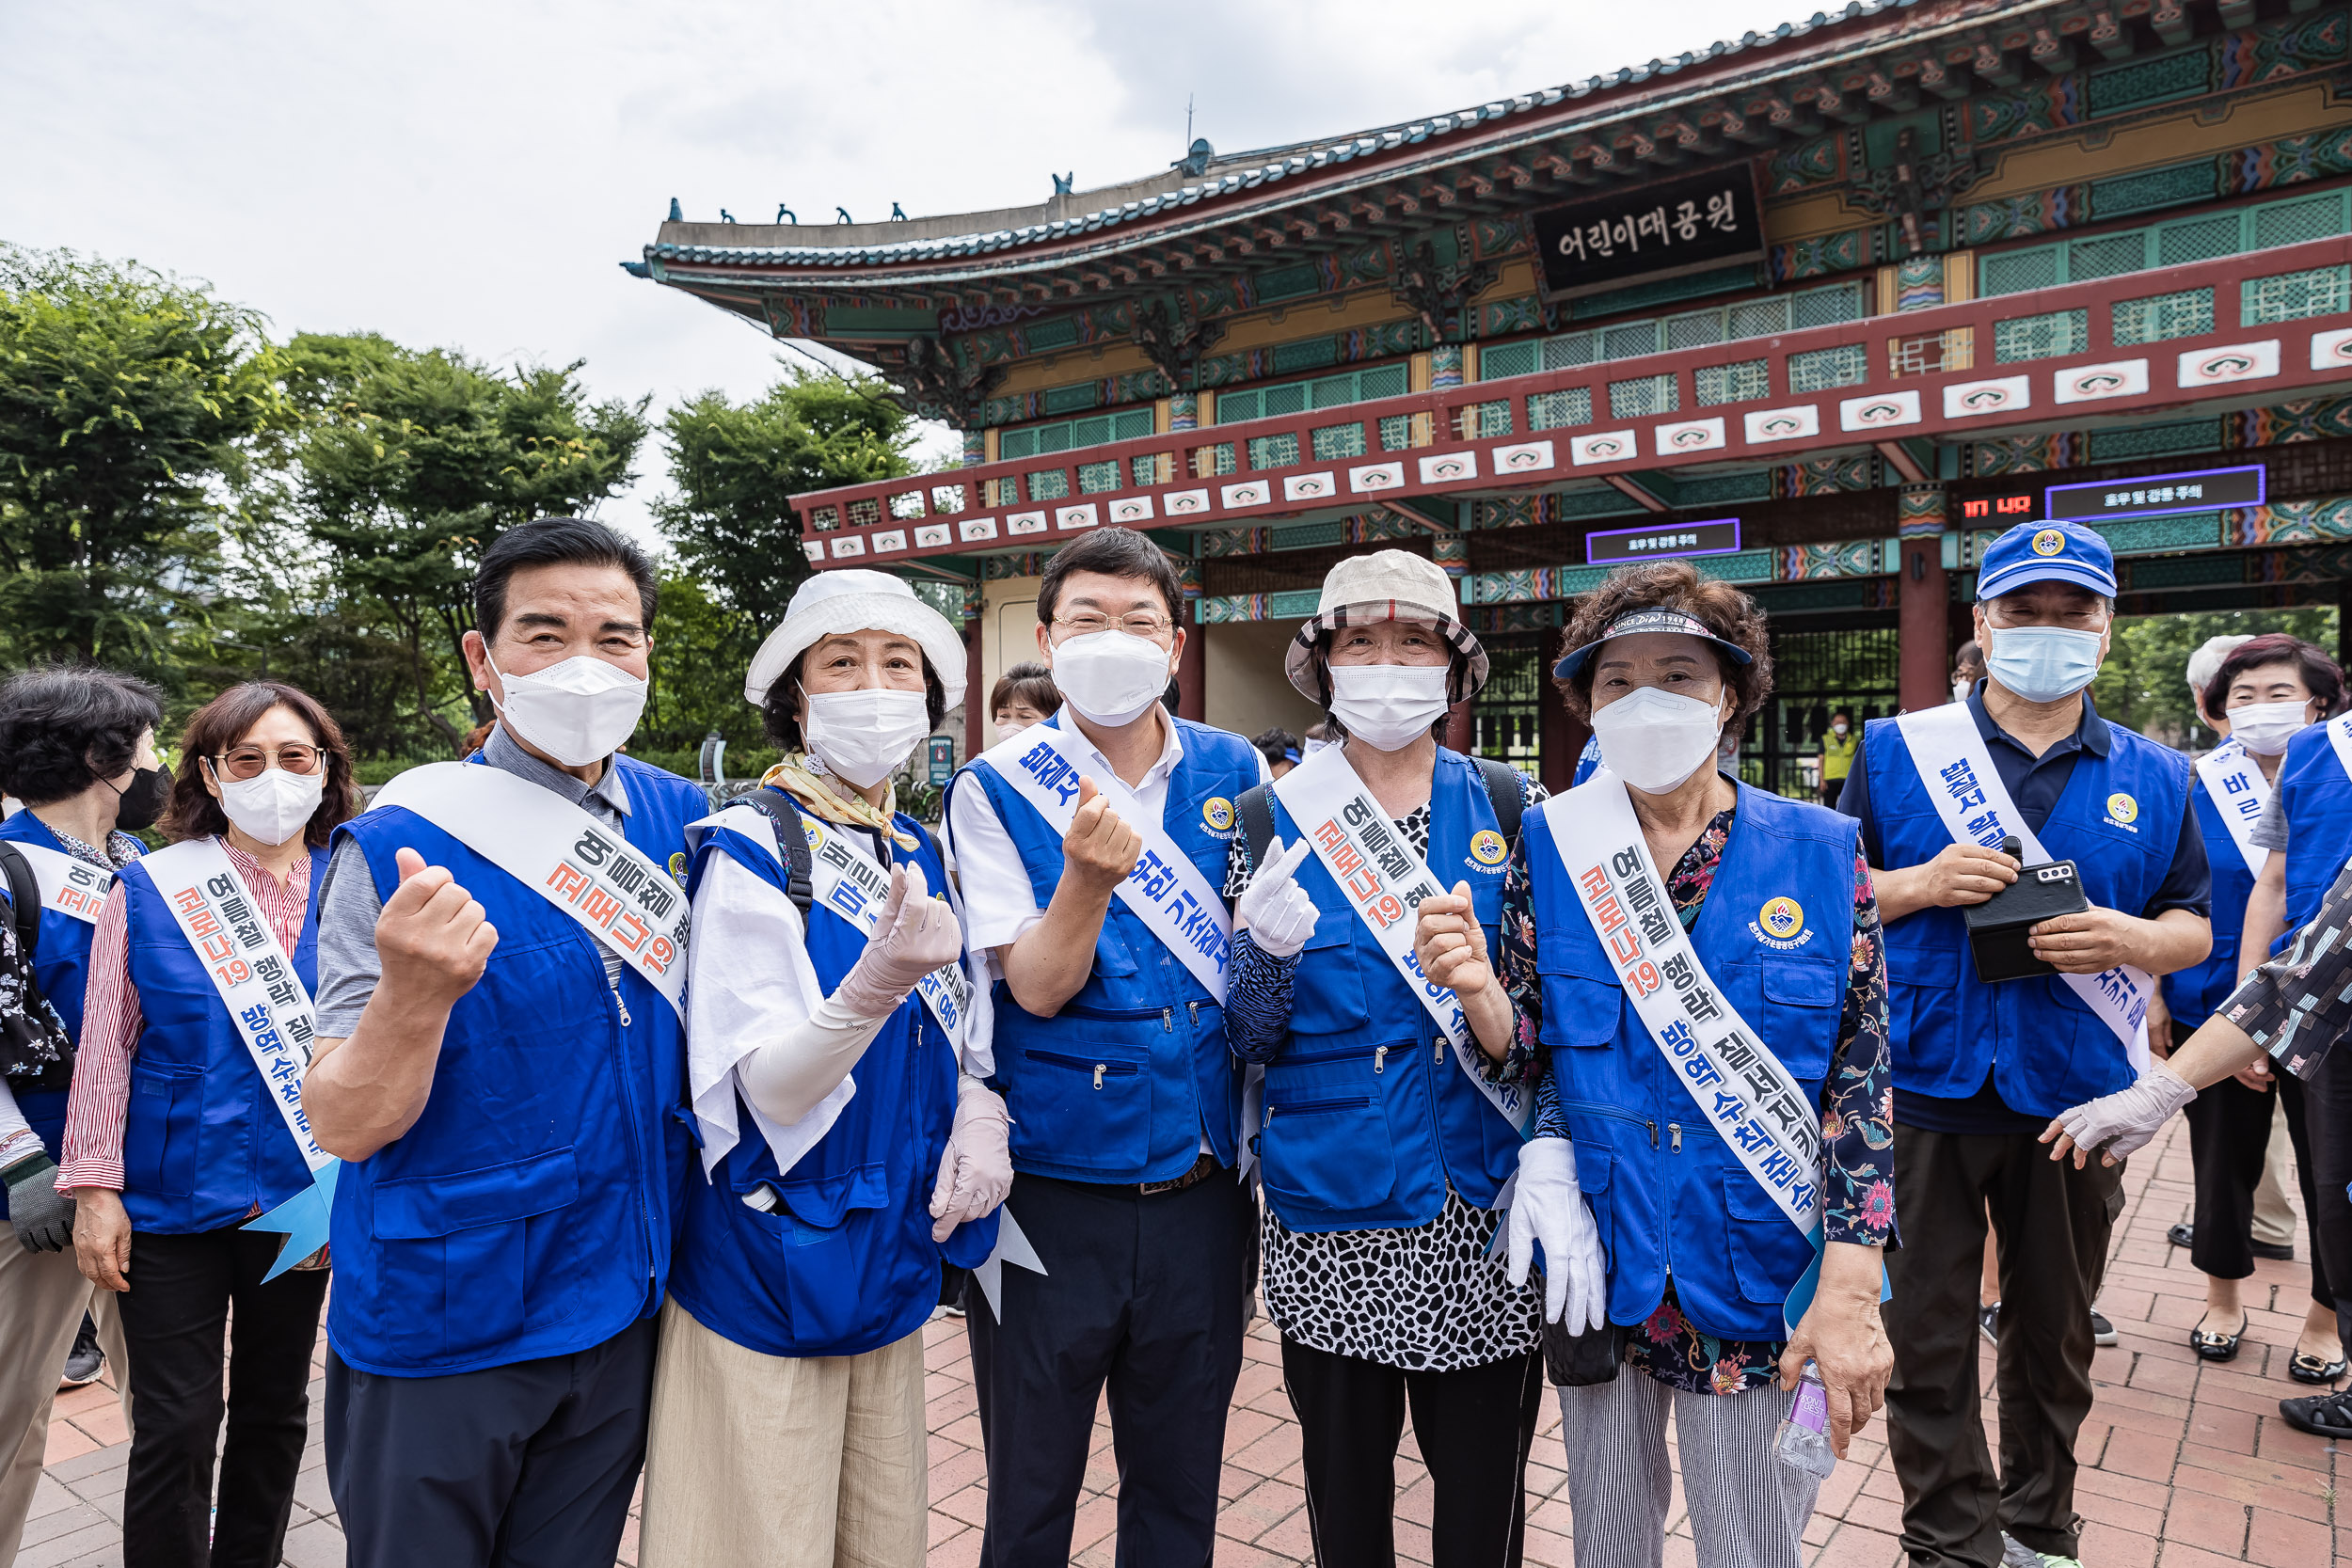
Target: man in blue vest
{"points": [[500, 1068], [1980, 1067], [1110, 1053]]}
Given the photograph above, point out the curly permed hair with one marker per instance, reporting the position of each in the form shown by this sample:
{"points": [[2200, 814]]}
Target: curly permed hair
{"points": [[1674, 585]]}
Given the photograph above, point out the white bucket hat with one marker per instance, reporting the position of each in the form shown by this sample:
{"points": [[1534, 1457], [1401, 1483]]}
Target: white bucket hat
{"points": [[855, 599], [1386, 585]]}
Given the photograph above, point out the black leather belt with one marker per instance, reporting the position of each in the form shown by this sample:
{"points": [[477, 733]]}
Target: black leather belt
{"points": [[1201, 1171]]}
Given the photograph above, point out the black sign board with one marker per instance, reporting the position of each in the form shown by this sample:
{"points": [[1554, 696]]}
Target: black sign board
{"points": [[2155, 495], [1660, 542], [1654, 231], [2000, 511]]}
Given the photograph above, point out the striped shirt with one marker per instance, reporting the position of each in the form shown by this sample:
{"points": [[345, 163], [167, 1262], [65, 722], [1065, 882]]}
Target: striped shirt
{"points": [[112, 1020]]}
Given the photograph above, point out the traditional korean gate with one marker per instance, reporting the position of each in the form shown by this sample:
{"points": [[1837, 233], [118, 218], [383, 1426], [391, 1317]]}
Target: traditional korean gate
{"points": [[1814, 673]]}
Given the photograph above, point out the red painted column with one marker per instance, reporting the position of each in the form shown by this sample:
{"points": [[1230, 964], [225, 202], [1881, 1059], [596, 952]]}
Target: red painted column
{"points": [[1192, 668], [1923, 600], [974, 690]]}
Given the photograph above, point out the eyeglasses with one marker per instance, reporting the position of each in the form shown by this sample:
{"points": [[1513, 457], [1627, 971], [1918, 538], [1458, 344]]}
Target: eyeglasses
{"points": [[1140, 622], [251, 762]]}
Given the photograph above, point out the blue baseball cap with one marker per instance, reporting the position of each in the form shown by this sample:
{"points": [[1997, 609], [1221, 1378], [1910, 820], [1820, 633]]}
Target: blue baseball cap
{"points": [[2046, 552]]}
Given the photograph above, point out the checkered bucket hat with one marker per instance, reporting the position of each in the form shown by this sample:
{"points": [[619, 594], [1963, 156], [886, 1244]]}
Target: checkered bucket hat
{"points": [[1386, 585]]}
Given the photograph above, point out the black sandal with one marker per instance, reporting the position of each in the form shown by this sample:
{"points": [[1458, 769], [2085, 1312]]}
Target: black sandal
{"points": [[2217, 1347], [2307, 1368]]}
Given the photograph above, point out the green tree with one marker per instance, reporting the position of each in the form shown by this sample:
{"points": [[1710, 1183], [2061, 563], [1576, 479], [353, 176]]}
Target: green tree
{"points": [[735, 467], [2143, 685], [410, 462], [129, 404]]}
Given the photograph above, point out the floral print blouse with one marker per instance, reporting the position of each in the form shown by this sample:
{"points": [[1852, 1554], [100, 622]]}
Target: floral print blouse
{"points": [[1857, 1108]]}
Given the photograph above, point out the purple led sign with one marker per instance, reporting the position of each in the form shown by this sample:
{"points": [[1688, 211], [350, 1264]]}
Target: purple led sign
{"points": [[2157, 495], [1720, 536]]}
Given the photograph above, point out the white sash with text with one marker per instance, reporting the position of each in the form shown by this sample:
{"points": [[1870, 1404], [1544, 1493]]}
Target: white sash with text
{"points": [[1383, 881], [1729, 1069], [1166, 890], [69, 886], [2240, 794], [576, 863], [1957, 771]]}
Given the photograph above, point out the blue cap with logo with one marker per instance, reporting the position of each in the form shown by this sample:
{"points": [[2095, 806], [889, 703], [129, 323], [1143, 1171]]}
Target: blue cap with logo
{"points": [[2046, 552]]}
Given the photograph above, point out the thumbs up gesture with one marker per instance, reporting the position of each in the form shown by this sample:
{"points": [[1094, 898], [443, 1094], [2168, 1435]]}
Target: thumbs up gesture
{"points": [[433, 938], [1100, 849]]}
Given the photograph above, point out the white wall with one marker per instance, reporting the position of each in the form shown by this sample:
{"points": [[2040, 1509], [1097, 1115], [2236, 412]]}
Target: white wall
{"points": [[1008, 636], [1244, 687]]}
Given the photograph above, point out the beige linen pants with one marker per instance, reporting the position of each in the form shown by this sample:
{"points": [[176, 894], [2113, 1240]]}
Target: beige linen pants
{"points": [[775, 1462], [42, 1297]]}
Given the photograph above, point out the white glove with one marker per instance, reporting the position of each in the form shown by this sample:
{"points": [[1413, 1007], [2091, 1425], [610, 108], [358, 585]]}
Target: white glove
{"points": [[1277, 910], [2119, 1124], [975, 1172], [914, 935], [1547, 1207]]}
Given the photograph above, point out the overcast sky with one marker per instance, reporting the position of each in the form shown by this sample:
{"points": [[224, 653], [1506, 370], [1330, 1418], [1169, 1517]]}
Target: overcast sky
{"points": [[468, 175]]}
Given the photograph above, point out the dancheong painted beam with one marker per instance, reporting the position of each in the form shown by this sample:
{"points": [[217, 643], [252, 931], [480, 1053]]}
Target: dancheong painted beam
{"points": [[2012, 364]]}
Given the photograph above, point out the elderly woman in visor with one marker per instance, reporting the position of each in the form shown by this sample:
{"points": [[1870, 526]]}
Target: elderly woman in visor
{"points": [[1697, 965], [848, 1146], [1386, 1137]]}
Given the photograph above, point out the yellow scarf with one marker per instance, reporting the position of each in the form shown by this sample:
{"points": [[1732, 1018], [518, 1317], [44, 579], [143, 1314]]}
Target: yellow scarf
{"points": [[815, 791]]}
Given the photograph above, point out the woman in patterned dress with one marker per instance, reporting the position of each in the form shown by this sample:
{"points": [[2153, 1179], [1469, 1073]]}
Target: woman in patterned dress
{"points": [[1382, 1159], [1703, 1259]]}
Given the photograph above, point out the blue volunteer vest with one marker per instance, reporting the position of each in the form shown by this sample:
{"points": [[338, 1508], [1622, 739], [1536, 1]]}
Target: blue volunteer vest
{"points": [[1668, 1193], [204, 1144], [529, 1211], [61, 969], [2317, 795], [845, 1263], [2192, 994], [2118, 820], [1123, 1081], [1367, 1119]]}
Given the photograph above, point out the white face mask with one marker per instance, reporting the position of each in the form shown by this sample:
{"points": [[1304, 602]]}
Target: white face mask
{"points": [[1838, 728], [1961, 690], [577, 712], [273, 806], [1110, 676], [1310, 746], [1655, 740], [1388, 706], [2265, 728], [863, 736]]}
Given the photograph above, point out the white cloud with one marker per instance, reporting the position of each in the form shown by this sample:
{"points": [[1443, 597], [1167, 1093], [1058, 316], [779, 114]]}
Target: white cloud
{"points": [[468, 175]]}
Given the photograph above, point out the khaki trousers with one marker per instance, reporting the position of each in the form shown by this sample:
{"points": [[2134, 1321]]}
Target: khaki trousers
{"points": [[42, 1297], [762, 1461]]}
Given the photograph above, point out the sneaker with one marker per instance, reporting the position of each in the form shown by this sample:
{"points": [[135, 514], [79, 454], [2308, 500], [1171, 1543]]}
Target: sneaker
{"points": [[2016, 1553], [2321, 1414], [2102, 1334], [1988, 1323], [85, 1361]]}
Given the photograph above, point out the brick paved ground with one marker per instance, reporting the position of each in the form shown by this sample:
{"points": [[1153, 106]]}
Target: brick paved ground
{"points": [[2187, 1465]]}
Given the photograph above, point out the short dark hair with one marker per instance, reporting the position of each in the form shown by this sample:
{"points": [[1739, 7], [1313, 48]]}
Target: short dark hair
{"points": [[1027, 682], [65, 727], [1274, 745], [220, 724], [1727, 613], [557, 541], [1118, 552], [780, 709], [2322, 674]]}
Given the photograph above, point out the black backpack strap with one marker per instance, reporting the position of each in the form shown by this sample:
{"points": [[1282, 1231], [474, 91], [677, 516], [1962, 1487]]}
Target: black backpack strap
{"points": [[1256, 810], [791, 838], [24, 896], [1505, 793]]}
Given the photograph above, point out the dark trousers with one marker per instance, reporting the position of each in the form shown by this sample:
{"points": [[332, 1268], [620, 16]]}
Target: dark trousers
{"points": [[2327, 1117], [2052, 1221], [2229, 1138], [529, 1465], [174, 1316], [1144, 1295], [1473, 1427]]}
